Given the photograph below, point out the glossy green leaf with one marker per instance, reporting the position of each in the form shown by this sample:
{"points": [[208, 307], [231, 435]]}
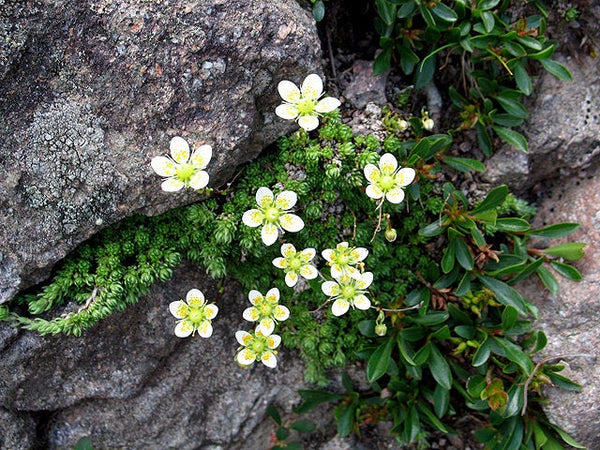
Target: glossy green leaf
{"points": [[514, 138], [432, 318], [433, 229], [387, 11], [282, 433], [447, 262], [557, 69], [548, 279], [482, 354], [313, 398], [512, 224], [571, 251], [493, 199], [425, 71], [382, 61], [303, 425], [464, 164], [554, 231], [509, 317], [515, 354], [566, 270], [407, 9], [487, 18], [439, 367], [441, 400], [486, 5], [530, 42], [318, 10], [522, 78], [444, 12], [346, 420], [272, 411], [379, 361], [464, 255], [504, 293], [512, 104], [432, 419]]}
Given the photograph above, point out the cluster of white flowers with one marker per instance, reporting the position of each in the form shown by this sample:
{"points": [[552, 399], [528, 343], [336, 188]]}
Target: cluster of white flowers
{"points": [[274, 215]]}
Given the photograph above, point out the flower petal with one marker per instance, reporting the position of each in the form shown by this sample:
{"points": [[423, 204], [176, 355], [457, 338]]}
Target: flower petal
{"points": [[272, 295], [288, 250], [360, 253], [201, 156], [405, 176], [286, 200], [327, 105], [374, 191], [308, 253], [172, 185], [365, 280], [273, 341], [280, 262], [266, 326], [264, 197], [180, 150], [242, 337], [205, 329], [250, 314], [339, 307], [253, 218], [269, 234], [195, 295], [291, 222], [211, 311], [312, 86], [245, 357], [309, 123], [288, 91], [281, 313], [199, 180], [336, 271], [163, 166], [291, 278], [287, 111], [330, 288], [254, 296], [395, 195], [388, 163], [179, 309], [327, 254], [362, 302], [309, 272], [269, 359], [183, 329], [372, 173], [353, 272]]}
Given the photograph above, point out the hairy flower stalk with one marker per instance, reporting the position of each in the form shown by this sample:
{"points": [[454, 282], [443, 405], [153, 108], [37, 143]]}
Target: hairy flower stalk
{"points": [[273, 215], [194, 314], [303, 104], [182, 169]]}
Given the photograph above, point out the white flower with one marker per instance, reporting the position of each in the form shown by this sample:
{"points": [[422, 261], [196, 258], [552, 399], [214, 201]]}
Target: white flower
{"points": [[194, 314], [183, 169], [257, 346], [427, 122], [387, 181], [343, 258], [348, 291], [304, 104], [272, 214], [266, 310], [296, 263]]}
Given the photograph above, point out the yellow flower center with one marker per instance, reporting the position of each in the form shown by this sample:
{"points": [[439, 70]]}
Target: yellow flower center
{"points": [[387, 182], [258, 345], [196, 315], [295, 263], [185, 172], [343, 258], [305, 106], [272, 214], [348, 292]]}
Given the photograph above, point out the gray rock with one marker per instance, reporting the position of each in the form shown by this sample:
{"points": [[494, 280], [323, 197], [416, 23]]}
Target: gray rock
{"points": [[17, 430], [563, 130], [571, 319], [365, 87], [91, 91]]}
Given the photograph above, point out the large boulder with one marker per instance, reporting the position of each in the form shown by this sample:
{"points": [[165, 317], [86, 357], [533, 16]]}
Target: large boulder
{"points": [[571, 319], [562, 130], [90, 91]]}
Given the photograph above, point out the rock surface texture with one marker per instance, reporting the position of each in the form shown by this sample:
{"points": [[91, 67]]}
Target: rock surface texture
{"points": [[571, 319], [563, 130], [90, 91]]}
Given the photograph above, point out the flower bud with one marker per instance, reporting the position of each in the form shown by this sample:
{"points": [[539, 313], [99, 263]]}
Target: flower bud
{"points": [[380, 329], [428, 124], [391, 234]]}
